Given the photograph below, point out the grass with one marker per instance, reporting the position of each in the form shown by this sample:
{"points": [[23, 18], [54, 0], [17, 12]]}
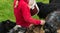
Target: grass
{"points": [[6, 10], [43, 1]]}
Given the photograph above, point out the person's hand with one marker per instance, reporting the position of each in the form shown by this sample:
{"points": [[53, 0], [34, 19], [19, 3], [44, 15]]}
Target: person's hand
{"points": [[42, 22], [31, 25]]}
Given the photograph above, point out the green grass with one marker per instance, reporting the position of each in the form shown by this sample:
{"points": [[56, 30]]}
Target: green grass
{"points": [[6, 10], [43, 1]]}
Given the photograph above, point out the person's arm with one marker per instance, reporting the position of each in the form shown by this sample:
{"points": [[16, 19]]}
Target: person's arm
{"points": [[16, 3], [33, 5], [27, 16]]}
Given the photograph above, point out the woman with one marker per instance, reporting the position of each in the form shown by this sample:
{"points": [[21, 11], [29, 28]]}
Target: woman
{"points": [[23, 16]]}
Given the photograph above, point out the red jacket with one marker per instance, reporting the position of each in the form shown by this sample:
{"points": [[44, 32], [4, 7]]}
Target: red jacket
{"points": [[23, 16]]}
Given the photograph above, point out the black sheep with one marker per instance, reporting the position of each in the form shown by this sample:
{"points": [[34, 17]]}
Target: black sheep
{"points": [[56, 3], [5, 26], [52, 22], [45, 9]]}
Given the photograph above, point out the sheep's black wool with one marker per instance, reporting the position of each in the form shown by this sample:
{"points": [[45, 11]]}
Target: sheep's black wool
{"points": [[52, 22], [45, 9], [5, 26]]}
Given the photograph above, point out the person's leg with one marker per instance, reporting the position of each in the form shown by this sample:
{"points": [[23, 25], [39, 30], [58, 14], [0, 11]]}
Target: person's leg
{"points": [[17, 29]]}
